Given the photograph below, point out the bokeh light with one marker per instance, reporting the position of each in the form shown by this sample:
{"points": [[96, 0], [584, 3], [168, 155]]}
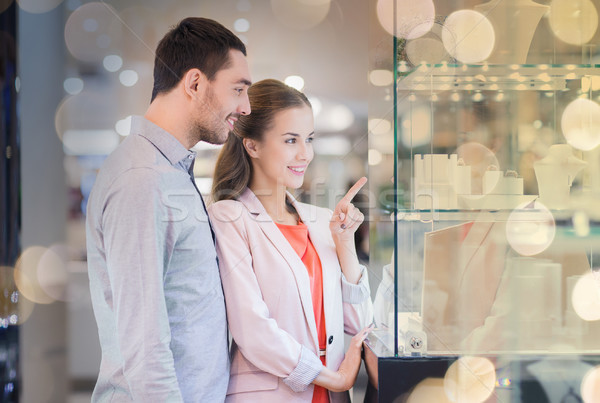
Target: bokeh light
{"points": [[241, 25], [300, 14], [379, 126], [38, 6], [128, 78], [52, 272], [580, 124], [73, 85], [83, 29], [590, 386], [123, 126], [585, 298], [413, 18], [530, 228], [112, 63], [470, 380], [374, 157], [381, 78], [26, 275], [296, 82], [426, 50], [468, 36], [573, 21]]}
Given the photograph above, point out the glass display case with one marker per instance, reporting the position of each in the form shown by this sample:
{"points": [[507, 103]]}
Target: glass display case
{"points": [[488, 184]]}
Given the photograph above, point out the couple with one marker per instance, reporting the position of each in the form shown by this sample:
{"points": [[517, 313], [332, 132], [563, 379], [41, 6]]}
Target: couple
{"points": [[284, 273]]}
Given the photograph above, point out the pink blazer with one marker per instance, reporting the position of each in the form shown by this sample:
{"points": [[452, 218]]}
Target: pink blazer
{"points": [[269, 306]]}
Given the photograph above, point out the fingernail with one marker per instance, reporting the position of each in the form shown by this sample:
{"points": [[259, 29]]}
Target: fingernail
{"points": [[343, 226]]}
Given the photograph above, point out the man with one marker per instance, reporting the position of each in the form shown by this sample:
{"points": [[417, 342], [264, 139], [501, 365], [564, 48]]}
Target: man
{"points": [[154, 279]]}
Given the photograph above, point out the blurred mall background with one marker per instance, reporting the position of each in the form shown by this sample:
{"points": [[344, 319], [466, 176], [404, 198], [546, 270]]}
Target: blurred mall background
{"points": [[73, 72]]}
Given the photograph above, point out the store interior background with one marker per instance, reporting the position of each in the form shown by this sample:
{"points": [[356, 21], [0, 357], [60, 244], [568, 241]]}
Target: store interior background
{"points": [[84, 67]]}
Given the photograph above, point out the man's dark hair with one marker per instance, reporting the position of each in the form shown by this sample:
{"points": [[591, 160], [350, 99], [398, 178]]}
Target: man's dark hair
{"points": [[195, 42]]}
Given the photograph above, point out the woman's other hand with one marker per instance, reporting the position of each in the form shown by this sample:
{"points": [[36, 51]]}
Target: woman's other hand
{"points": [[344, 378]]}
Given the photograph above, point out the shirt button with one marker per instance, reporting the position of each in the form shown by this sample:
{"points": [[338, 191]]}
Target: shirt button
{"points": [[190, 156], [330, 339]]}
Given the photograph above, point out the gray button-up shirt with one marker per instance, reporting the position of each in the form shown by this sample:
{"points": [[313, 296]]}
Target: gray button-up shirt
{"points": [[154, 279]]}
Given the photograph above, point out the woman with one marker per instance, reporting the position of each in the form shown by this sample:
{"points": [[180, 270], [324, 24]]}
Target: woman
{"points": [[290, 274]]}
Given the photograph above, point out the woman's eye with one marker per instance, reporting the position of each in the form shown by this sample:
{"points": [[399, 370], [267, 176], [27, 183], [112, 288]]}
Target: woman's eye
{"points": [[310, 139], [239, 90], [290, 141]]}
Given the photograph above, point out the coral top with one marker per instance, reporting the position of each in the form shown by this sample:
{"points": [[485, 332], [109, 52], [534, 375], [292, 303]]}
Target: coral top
{"points": [[297, 236]]}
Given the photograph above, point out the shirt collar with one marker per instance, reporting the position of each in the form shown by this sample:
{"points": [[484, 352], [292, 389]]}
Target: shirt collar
{"points": [[164, 141]]}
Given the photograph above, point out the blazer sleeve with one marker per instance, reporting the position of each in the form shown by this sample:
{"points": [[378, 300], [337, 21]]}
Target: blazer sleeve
{"points": [[358, 308], [256, 334]]}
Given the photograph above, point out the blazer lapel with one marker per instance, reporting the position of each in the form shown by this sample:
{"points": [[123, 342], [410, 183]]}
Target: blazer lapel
{"points": [[266, 224]]}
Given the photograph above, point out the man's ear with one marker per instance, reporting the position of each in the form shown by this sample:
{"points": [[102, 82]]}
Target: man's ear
{"points": [[194, 83], [251, 147]]}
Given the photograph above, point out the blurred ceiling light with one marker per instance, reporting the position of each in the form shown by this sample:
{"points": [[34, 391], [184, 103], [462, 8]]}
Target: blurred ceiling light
{"points": [[316, 104], [38, 6], [580, 124], [332, 145], [413, 18], [73, 85], [296, 82], [381, 78], [90, 142], [241, 25], [455, 97], [123, 126], [128, 78], [375, 157], [468, 36], [300, 14], [477, 97], [379, 126], [112, 63], [87, 29], [573, 21]]}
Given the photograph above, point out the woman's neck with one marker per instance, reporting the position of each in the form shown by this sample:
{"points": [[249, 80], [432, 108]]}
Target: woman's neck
{"points": [[274, 202]]}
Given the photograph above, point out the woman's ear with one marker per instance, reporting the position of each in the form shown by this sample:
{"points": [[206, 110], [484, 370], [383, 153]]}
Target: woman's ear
{"points": [[251, 147], [194, 83]]}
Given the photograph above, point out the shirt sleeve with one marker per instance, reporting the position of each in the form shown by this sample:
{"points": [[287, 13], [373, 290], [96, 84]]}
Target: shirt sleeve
{"points": [[134, 224], [256, 334]]}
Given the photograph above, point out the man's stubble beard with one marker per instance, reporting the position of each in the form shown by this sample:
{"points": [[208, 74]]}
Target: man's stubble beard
{"points": [[208, 126]]}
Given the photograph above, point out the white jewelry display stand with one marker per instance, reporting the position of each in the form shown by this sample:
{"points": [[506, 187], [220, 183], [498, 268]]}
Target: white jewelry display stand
{"points": [[555, 174], [514, 22]]}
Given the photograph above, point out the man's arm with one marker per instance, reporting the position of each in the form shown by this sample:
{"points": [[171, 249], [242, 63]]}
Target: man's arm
{"points": [[134, 241]]}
